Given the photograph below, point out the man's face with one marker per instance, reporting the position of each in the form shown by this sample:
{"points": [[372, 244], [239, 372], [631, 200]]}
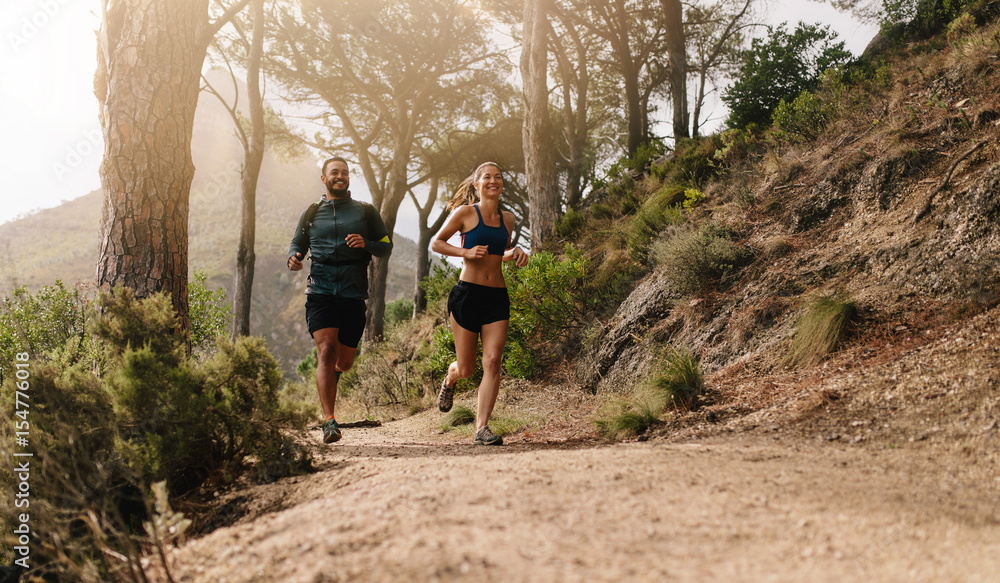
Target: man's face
{"points": [[336, 178]]}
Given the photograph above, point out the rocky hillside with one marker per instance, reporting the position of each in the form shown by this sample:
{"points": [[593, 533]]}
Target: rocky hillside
{"points": [[894, 210]]}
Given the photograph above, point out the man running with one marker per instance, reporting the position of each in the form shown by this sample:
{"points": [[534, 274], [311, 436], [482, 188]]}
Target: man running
{"points": [[342, 234]]}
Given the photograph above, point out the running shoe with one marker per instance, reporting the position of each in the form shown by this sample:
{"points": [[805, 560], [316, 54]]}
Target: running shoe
{"points": [[331, 431], [485, 437], [446, 396]]}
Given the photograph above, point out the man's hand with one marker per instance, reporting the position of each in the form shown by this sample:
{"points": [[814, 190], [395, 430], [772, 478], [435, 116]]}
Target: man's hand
{"points": [[355, 241], [295, 262]]}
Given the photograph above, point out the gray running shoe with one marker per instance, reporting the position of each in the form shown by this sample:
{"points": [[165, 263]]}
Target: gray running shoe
{"points": [[331, 431], [485, 437], [446, 396]]}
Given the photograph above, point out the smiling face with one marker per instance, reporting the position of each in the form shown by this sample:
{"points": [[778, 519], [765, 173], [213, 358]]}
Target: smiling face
{"points": [[337, 178], [489, 181]]}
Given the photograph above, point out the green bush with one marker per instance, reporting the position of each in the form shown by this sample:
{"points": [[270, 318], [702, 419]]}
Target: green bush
{"points": [[39, 323], [570, 224], [126, 407], [780, 66], [657, 212], [696, 258], [398, 311], [548, 298], [209, 311], [805, 117], [438, 283]]}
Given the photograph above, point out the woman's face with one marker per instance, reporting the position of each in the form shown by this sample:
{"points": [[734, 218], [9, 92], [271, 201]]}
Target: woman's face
{"points": [[489, 183]]}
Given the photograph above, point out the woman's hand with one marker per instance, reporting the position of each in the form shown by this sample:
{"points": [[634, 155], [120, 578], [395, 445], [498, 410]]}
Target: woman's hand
{"points": [[518, 256], [477, 252]]}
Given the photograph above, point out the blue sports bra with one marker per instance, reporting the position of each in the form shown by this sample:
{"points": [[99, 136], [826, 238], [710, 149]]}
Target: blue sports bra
{"points": [[495, 238]]}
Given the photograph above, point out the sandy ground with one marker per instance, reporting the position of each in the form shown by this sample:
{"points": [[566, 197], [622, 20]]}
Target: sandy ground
{"points": [[404, 502]]}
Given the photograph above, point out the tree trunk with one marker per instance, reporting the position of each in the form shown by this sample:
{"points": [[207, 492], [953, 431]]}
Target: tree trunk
{"points": [[254, 157], [542, 180], [147, 83], [378, 271], [674, 21], [427, 233]]}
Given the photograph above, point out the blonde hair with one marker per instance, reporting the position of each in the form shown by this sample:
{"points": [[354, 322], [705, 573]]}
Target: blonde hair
{"points": [[466, 193]]}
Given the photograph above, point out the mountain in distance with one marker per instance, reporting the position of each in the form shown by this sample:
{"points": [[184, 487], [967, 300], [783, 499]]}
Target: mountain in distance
{"points": [[62, 243]]}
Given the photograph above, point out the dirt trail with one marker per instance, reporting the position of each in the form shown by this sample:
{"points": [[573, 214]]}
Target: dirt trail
{"points": [[403, 502]]}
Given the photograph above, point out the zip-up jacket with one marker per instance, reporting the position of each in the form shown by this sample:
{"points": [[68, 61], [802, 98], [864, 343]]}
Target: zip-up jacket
{"points": [[338, 269]]}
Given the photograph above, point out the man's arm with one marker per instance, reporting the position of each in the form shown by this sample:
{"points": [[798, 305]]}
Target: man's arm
{"points": [[299, 245]]}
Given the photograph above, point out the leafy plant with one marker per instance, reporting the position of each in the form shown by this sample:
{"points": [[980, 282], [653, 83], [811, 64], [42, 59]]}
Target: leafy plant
{"points": [[780, 66], [438, 283], [398, 311], [805, 117], [209, 311]]}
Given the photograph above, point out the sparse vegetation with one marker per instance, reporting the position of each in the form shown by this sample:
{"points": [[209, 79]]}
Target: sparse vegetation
{"points": [[824, 324], [696, 258], [678, 379]]}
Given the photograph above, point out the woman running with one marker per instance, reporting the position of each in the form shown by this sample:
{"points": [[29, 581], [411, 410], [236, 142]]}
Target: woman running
{"points": [[478, 305]]}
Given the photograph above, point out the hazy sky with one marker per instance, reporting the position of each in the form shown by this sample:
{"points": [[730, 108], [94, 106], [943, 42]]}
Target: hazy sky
{"points": [[52, 143]]}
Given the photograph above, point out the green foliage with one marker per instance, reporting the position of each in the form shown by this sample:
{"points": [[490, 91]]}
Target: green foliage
{"points": [[694, 161], [126, 407], [805, 117], [548, 299], [398, 311], [570, 224], [818, 331], [39, 323], [923, 18], [696, 258], [656, 213], [692, 198], [209, 311], [678, 379], [627, 418], [780, 66], [438, 283], [458, 416]]}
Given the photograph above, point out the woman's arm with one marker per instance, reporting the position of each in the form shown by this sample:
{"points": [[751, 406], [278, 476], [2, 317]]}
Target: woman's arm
{"points": [[456, 224], [515, 254]]}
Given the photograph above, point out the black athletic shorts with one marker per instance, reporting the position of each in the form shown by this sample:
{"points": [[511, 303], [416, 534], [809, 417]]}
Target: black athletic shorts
{"points": [[348, 316], [475, 305]]}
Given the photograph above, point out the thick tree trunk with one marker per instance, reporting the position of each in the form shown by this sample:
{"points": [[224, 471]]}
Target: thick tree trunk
{"points": [[147, 83], [674, 21], [542, 180], [245, 256]]}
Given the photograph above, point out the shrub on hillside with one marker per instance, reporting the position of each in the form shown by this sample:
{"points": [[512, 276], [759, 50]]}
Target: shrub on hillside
{"points": [[126, 407], [694, 259], [549, 301]]}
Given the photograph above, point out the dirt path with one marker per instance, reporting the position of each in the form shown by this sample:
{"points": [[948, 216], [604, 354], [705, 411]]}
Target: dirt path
{"points": [[405, 503]]}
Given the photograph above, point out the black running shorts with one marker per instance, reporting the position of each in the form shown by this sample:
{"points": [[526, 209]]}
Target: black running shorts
{"points": [[346, 315], [475, 305]]}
